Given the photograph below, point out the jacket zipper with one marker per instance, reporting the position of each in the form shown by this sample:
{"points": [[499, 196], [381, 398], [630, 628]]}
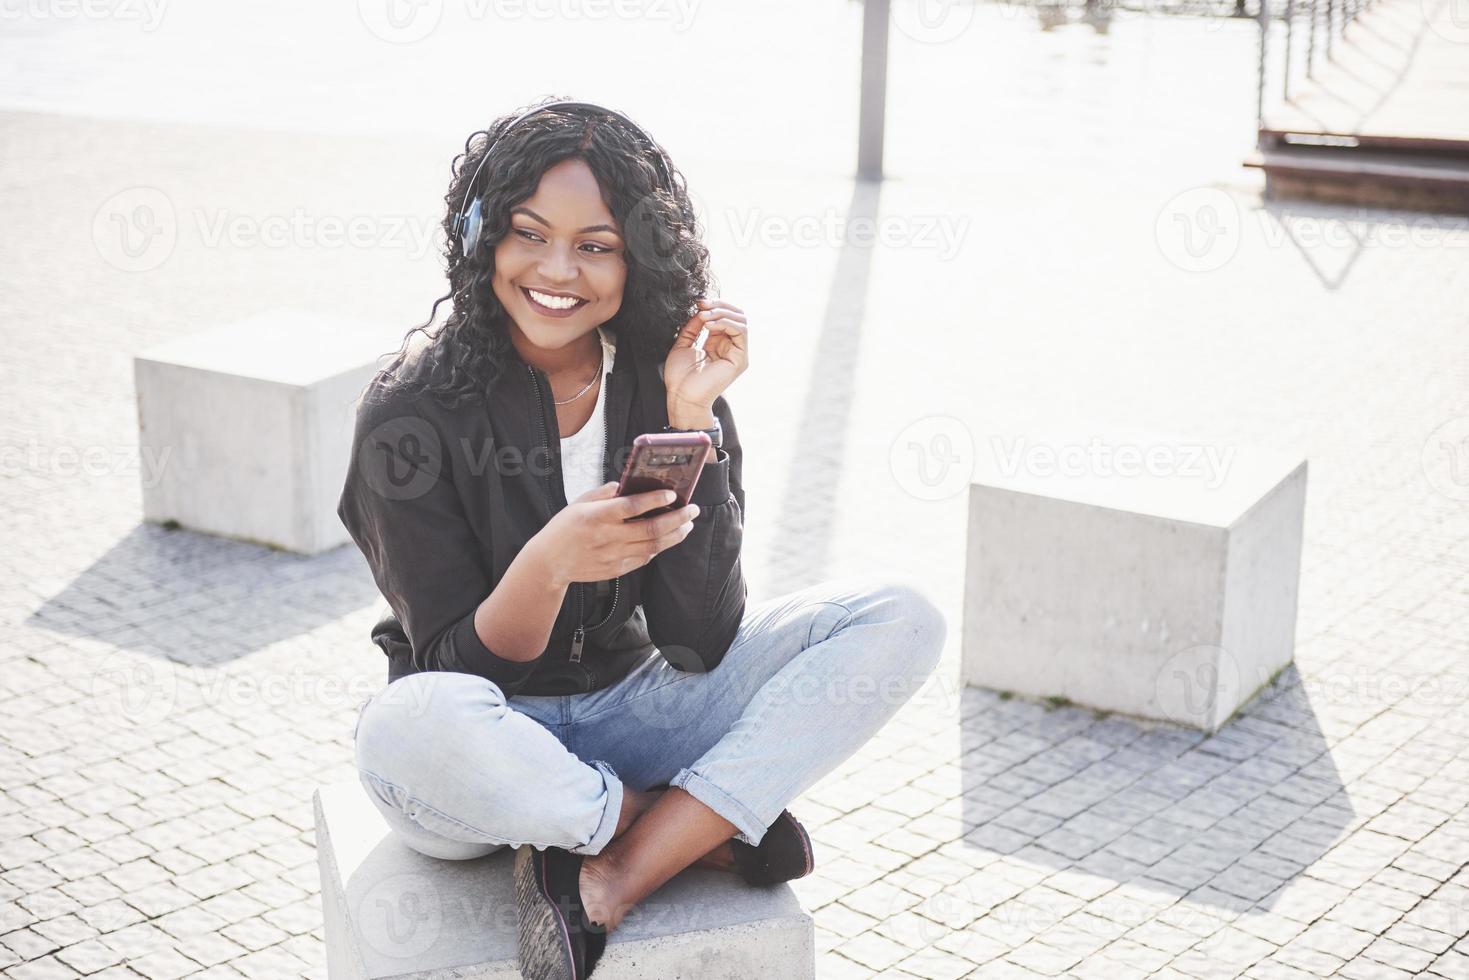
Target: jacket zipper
{"points": [[578, 636]]}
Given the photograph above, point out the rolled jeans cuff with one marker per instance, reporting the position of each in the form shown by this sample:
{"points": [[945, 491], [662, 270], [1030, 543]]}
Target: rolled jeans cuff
{"points": [[750, 827], [611, 813]]}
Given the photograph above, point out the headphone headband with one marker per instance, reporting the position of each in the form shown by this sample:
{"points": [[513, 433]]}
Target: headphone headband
{"points": [[468, 221]]}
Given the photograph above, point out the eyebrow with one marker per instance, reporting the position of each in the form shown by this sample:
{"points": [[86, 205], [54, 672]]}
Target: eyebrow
{"points": [[528, 212]]}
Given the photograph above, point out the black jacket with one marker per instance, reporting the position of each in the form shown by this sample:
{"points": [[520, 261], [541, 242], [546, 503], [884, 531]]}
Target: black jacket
{"points": [[440, 502]]}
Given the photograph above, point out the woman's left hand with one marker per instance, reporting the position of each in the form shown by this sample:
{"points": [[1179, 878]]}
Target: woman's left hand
{"points": [[694, 379]]}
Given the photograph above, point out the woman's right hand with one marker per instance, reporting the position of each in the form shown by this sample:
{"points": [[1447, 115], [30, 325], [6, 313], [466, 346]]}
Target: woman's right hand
{"points": [[590, 539]]}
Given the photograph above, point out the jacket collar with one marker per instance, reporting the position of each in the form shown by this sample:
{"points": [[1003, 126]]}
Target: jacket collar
{"points": [[532, 413]]}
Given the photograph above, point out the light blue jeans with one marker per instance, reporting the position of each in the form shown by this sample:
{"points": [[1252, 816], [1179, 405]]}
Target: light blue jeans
{"points": [[459, 771]]}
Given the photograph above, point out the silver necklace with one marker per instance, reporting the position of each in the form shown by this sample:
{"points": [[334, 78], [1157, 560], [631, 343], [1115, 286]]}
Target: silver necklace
{"points": [[600, 365]]}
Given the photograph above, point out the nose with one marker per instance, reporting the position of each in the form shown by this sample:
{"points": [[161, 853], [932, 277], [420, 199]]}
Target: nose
{"points": [[557, 265]]}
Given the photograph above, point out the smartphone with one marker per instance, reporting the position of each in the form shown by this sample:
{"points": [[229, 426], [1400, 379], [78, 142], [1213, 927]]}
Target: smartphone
{"points": [[664, 461]]}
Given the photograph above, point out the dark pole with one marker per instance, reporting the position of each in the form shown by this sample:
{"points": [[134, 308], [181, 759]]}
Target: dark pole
{"points": [[1260, 93], [874, 89]]}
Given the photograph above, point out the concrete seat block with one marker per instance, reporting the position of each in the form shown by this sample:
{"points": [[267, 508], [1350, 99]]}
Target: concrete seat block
{"points": [[245, 429], [390, 911], [1164, 591]]}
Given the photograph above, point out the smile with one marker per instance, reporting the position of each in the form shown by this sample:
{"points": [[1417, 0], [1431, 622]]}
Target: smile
{"points": [[551, 304]]}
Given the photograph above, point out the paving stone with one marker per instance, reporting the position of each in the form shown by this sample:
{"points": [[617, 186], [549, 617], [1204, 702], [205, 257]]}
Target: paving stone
{"points": [[89, 956], [1399, 955], [1327, 811]]}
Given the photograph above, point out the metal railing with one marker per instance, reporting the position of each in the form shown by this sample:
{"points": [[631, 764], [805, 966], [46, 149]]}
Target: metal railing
{"points": [[1326, 20]]}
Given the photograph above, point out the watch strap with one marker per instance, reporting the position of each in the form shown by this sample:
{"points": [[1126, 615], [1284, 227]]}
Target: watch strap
{"points": [[715, 434]]}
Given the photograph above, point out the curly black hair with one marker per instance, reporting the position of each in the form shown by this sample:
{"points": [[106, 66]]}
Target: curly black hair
{"points": [[667, 263]]}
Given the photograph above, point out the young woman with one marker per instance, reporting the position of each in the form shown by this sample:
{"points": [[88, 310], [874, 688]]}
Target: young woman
{"points": [[594, 691]]}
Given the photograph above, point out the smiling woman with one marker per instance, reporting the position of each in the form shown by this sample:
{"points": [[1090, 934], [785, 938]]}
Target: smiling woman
{"points": [[591, 684]]}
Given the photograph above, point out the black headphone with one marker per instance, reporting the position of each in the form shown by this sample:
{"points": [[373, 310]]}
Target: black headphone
{"points": [[469, 220]]}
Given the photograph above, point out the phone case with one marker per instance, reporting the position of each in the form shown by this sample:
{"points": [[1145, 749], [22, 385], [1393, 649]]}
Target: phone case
{"points": [[664, 461]]}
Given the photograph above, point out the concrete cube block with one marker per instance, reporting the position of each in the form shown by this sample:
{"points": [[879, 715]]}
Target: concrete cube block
{"points": [[390, 911], [245, 429], [1158, 591]]}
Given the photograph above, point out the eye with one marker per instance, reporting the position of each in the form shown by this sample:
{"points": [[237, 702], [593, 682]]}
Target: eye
{"points": [[598, 247]]}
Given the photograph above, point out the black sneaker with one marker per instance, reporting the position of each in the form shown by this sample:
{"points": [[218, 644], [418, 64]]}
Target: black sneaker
{"points": [[557, 941], [784, 853]]}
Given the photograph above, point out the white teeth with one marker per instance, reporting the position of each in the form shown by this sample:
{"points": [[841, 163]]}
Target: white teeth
{"points": [[554, 302]]}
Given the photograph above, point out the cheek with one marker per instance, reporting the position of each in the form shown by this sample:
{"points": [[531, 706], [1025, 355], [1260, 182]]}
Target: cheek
{"points": [[612, 281]]}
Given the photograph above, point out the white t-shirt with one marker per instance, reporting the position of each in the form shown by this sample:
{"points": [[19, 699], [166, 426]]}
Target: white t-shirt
{"points": [[581, 453]]}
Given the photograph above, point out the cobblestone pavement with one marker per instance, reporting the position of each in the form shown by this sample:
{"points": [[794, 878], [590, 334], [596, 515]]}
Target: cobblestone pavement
{"points": [[168, 700]]}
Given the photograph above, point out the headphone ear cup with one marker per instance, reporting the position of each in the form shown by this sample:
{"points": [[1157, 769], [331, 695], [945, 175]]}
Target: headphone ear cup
{"points": [[472, 224]]}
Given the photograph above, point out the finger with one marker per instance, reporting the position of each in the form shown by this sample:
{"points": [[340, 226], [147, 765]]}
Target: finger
{"points": [[728, 326], [725, 335], [717, 303], [689, 333], [637, 503], [674, 536], [714, 312], [655, 527], [646, 551]]}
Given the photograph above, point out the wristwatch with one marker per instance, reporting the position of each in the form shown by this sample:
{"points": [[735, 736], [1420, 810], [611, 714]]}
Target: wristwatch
{"points": [[716, 434]]}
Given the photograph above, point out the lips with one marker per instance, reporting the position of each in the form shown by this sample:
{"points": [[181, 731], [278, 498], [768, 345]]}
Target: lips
{"points": [[549, 310]]}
